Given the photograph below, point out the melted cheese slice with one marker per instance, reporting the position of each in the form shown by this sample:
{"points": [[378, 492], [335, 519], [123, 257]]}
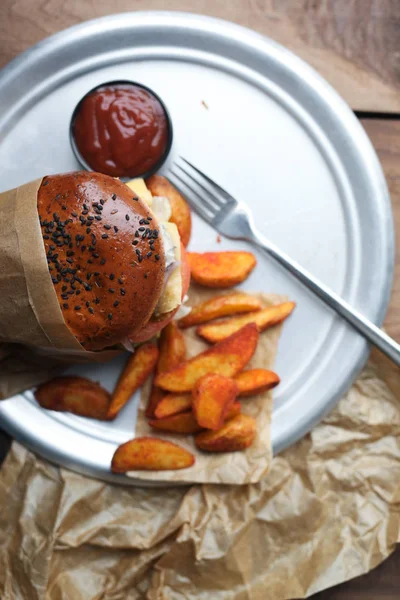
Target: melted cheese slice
{"points": [[172, 294]]}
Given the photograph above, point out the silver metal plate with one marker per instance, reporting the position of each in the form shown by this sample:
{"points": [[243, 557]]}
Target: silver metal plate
{"points": [[271, 131]]}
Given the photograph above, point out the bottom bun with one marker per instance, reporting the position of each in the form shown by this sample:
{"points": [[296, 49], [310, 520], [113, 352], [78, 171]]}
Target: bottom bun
{"points": [[155, 325]]}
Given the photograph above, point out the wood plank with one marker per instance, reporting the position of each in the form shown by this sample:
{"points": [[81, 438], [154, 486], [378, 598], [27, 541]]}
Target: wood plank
{"points": [[354, 45], [385, 136]]}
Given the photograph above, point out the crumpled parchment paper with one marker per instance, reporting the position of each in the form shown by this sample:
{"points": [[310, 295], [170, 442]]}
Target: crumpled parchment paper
{"points": [[328, 511]]}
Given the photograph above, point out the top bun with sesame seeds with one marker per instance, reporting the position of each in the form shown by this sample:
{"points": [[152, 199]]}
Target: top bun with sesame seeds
{"points": [[105, 253]]}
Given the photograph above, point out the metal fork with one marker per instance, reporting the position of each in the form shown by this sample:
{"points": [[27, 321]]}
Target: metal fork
{"points": [[234, 220]]}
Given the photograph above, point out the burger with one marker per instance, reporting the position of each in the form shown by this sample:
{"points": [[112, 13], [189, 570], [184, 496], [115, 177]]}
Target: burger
{"points": [[116, 261]]}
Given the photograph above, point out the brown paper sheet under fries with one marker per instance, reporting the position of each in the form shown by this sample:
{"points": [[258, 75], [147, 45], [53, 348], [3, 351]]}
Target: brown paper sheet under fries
{"points": [[327, 511], [235, 467], [29, 311]]}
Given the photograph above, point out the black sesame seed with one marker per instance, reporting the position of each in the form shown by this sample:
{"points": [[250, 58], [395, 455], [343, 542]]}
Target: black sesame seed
{"points": [[111, 290], [52, 247], [90, 309], [70, 261], [109, 316], [136, 234], [95, 255], [142, 229], [77, 292], [96, 301], [65, 305], [101, 201], [135, 242], [64, 296], [122, 291], [149, 254], [120, 281], [74, 214], [127, 217], [77, 307], [87, 229], [64, 287], [90, 218], [104, 236], [87, 286], [90, 262], [112, 276], [146, 275], [157, 256], [85, 212], [114, 196], [85, 206], [54, 280], [98, 218], [103, 261], [70, 253], [107, 227], [115, 229], [88, 276], [46, 237], [87, 303], [135, 198], [116, 303]]}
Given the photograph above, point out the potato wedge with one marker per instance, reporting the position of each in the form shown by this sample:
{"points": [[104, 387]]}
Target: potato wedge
{"points": [[213, 395], [220, 269], [137, 369], [77, 395], [181, 216], [183, 423], [267, 317], [172, 352], [220, 306], [150, 454], [236, 434], [227, 358], [256, 381], [172, 348], [173, 404], [233, 411]]}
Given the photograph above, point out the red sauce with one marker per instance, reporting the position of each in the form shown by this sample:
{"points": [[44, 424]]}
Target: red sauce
{"points": [[121, 130]]}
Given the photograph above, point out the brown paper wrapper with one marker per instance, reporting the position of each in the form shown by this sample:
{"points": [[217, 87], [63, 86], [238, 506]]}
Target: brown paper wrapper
{"points": [[236, 467], [30, 315], [328, 511]]}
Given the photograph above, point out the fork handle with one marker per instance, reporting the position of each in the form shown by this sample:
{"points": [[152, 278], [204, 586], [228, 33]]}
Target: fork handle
{"points": [[371, 332]]}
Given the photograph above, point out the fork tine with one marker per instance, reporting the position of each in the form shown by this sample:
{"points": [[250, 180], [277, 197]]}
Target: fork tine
{"points": [[210, 181], [206, 213], [220, 203]]}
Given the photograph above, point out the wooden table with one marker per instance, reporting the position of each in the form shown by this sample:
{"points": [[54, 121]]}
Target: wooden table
{"points": [[354, 45]]}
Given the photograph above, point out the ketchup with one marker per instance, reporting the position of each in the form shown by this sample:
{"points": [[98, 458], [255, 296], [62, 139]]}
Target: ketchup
{"points": [[121, 130]]}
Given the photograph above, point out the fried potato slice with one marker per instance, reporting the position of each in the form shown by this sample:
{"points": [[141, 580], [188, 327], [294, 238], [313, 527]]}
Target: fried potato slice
{"points": [[220, 306], [212, 397], [220, 269], [236, 434], [137, 369], [264, 318], [172, 351], [226, 358], [173, 404], [184, 423], [150, 454], [256, 381], [180, 211], [77, 395]]}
